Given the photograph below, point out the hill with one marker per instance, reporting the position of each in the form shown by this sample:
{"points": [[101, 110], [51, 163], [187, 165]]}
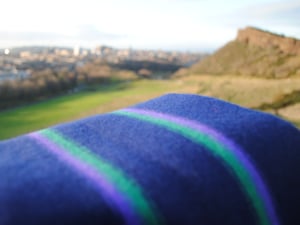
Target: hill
{"points": [[254, 52], [262, 55], [252, 92], [258, 69]]}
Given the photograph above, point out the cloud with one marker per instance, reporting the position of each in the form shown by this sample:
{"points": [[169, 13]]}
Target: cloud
{"points": [[275, 9], [277, 16], [28, 36], [83, 33], [91, 33], [287, 12]]}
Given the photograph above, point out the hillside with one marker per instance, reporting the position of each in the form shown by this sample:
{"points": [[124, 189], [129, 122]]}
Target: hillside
{"points": [[250, 66], [254, 52], [252, 92], [258, 69]]}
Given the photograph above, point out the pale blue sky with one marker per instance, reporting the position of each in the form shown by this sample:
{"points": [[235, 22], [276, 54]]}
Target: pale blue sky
{"points": [[154, 24]]}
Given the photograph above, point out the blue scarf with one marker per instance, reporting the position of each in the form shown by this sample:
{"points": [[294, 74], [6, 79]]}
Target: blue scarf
{"points": [[177, 159]]}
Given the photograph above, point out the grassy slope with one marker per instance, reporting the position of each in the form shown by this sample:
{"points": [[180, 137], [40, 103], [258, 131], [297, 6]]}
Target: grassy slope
{"points": [[280, 95], [249, 92], [71, 107]]}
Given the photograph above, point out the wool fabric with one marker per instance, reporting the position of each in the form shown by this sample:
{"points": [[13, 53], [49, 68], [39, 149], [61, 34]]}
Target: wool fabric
{"points": [[177, 159]]}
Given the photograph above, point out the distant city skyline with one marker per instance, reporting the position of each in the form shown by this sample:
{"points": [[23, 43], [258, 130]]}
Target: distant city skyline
{"points": [[181, 25]]}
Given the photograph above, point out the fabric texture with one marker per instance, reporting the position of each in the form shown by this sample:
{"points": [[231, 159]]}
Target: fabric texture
{"points": [[176, 159]]}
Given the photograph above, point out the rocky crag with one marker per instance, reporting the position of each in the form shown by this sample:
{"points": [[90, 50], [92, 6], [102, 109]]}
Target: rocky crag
{"points": [[265, 40], [254, 52]]}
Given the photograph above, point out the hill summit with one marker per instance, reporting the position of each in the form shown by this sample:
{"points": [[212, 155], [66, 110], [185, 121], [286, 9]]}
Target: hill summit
{"points": [[254, 52]]}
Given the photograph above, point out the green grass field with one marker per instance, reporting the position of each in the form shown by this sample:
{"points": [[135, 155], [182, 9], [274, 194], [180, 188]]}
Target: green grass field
{"points": [[249, 92], [71, 107]]}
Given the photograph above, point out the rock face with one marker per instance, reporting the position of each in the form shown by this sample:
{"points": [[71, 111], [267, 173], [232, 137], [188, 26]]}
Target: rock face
{"points": [[254, 53], [264, 39]]}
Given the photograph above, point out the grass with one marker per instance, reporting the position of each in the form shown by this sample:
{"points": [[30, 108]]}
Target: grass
{"points": [[248, 92], [71, 107]]}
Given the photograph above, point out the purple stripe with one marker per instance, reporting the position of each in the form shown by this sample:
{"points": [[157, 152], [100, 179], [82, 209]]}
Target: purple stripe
{"points": [[113, 198], [230, 145]]}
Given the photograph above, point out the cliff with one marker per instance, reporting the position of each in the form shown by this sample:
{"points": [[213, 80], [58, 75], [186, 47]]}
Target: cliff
{"points": [[265, 39], [254, 52]]}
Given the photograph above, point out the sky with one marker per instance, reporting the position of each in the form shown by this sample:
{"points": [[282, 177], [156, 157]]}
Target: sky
{"points": [[182, 25]]}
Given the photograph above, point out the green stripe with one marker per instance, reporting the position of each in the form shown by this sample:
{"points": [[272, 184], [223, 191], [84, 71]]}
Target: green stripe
{"points": [[114, 175], [218, 150]]}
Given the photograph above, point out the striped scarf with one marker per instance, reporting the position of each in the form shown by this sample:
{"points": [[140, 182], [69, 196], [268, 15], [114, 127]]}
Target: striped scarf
{"points": [[178, 159]]}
